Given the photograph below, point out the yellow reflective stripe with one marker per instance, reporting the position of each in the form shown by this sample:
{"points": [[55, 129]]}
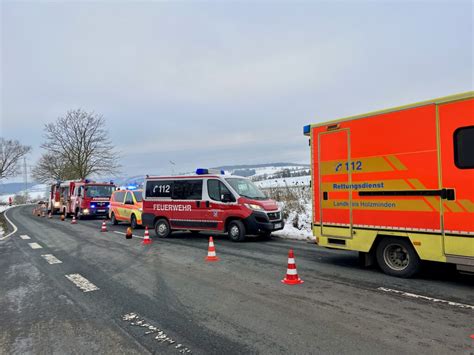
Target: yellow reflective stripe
{"points": [[368, 165], [396, 162], [468, 205], [433, 201], [453, 206], [387, 185], [379, 205]]}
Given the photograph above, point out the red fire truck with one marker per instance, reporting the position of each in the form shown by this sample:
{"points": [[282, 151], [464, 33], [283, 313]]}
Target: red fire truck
{"points": [[209, 201], [81, 198]]}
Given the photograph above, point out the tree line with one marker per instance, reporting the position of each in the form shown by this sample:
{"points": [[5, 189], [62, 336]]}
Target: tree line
{"points": [[76, 146]]}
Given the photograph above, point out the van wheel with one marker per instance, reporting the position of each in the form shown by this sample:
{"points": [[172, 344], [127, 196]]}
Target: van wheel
{"points": [[397, 257], [162, 228], [113, 219], [133, 222], [236, 231]]}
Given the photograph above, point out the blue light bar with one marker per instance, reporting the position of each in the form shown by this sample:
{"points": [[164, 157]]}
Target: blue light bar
{"points": [[132, 187], [202, 171], [306, 129]]}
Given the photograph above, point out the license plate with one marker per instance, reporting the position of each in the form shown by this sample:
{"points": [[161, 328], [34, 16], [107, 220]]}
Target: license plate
{"points": [[277, 226], [101, 211]]}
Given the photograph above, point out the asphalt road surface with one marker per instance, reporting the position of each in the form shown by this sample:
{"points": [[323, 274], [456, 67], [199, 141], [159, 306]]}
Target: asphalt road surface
{"points": [[74, 289]]}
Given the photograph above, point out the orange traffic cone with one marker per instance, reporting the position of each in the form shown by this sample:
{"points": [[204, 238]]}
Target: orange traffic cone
{"points": [[43, 214], [129, 233], [62, 217], [104, 227], [73, 221], [146, 238], [211, 251], [291, 277]]}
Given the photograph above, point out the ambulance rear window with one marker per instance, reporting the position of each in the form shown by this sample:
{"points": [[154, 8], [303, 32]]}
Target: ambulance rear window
{"points": [[464, 147]]}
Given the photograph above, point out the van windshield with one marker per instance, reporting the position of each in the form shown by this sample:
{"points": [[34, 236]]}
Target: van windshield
{"points": [[246, 188], [138, 195], [99, 190]]}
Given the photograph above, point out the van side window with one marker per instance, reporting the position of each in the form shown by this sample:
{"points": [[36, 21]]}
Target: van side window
{"points": [[464, 147], [216, 189], [187, 190], [160, 188], [129, 199]]}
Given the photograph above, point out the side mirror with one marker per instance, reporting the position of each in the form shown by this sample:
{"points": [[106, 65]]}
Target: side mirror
{"points": [[227, 198]]}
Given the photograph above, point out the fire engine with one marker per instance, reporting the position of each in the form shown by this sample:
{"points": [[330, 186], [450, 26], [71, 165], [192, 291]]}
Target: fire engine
{"points": [[397, 185], [209, 201], [81, 198]]}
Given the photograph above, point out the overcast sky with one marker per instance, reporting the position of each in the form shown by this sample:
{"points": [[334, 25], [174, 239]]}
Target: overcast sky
{"points": [[218, 83]]}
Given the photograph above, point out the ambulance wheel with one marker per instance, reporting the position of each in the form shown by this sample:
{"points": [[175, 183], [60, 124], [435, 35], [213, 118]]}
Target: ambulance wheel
{"points": [[162, 228], [236, 231], [397, 257], [133, 222], [113, 219]]}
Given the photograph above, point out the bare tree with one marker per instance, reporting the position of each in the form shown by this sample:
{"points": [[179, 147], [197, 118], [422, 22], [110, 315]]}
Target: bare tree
{"points": [[80, 145], [51, 168], [11, 151]]}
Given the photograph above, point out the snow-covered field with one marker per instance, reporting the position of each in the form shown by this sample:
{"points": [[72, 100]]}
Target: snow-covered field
{"points": [[35, 192], [283, 182]]}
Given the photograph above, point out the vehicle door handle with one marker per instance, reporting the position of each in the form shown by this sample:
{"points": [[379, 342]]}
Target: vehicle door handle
{"points": [[325, 195], [207, 204], [198, 204]]}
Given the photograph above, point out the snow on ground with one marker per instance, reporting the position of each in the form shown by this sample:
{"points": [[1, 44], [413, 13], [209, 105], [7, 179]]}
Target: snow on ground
{"points": [[297, 225], [36, 192], [270, 170], [283, 182]]}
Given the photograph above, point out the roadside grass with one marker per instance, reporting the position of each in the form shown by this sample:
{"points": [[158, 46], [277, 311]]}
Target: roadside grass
{"points": [[3, 223]]}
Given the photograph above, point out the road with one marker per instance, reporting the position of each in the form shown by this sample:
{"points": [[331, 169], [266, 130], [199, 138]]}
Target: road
{"points": [[164, 298]]}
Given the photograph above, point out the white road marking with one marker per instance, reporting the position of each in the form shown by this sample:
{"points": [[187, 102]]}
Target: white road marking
{"points": [[158, 333], [14, 227], [35, 246], [134, 236], [426, 298], [81, 282], [24, 237], [51, 259]]}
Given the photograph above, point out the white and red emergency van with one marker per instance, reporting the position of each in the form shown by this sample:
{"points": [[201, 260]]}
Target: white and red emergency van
{"points": [[209, 201], [81, 198]]}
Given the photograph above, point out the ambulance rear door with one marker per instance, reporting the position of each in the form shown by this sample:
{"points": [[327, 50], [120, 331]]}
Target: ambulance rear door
{"points": [[456, 122], [335, 169]]}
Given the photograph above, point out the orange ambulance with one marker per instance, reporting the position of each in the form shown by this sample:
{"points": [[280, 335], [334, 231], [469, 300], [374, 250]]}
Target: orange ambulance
{"points": [[397, 185]]}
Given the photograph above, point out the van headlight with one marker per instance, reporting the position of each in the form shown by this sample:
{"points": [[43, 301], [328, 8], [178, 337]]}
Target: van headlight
{"points": [[85, 211], [253, 207]]}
